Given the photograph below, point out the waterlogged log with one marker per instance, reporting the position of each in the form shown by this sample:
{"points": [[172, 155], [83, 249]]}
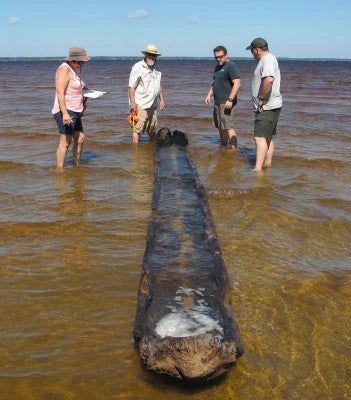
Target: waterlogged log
{"points": [[184, 324]]}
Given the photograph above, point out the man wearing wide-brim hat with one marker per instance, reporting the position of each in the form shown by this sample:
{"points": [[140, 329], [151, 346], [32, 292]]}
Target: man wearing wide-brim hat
{"points": [[144, 91], [267, 101]]}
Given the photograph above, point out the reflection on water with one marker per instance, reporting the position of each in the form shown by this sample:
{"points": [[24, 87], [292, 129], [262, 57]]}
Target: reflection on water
{"points": [[70, 183], [71, 244]]}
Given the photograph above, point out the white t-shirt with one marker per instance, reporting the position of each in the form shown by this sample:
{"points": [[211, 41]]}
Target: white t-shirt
{"points": [[147, 82], [267, 66]]}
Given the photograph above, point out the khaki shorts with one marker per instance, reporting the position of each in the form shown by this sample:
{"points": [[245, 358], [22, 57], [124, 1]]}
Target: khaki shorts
{"points": [[266, 123], [223, 118], [147, 121]]}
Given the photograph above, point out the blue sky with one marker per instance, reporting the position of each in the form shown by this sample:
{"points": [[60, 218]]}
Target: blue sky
{"points": [[293, 28]]}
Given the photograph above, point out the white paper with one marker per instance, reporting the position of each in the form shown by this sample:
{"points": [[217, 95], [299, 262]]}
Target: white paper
{"points": [[92, 94]]}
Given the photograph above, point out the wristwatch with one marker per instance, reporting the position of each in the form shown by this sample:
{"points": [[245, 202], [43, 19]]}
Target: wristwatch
{"points": [[229, 99], [260, 98]]}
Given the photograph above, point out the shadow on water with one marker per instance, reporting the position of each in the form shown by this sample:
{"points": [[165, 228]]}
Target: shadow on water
{"points": [[249, 155], [167, 383], [70, 185], [87, 157], [144, 139], [210, 139]]}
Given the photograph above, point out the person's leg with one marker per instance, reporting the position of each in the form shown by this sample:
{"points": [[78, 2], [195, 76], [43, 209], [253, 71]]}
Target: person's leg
{"points": [[152, 123], [223, 136], [264, 130], [66, 132], [261, 152], [78, 140], [269, 155], [228, 136], [140, 126], [135, 137], [227, 131], [152, 136], [233, 140], [61, 152]]}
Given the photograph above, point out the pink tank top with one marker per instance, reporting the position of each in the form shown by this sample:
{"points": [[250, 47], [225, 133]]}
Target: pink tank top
{"points": [[73, 94]]}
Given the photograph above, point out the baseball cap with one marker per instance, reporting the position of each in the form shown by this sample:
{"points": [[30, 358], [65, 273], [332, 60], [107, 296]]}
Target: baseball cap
{"points": [[258, 42]]}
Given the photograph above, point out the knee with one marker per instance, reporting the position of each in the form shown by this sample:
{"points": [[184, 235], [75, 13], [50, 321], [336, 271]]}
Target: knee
{"points": [[81, 138], [63, 145]]}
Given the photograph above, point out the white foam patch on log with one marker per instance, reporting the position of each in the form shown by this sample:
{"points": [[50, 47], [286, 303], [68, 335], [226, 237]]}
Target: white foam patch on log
{"points": [[188, 321]]}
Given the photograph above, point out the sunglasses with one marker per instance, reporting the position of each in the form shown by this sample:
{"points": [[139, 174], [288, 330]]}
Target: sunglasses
{"points": [[219, 57]]}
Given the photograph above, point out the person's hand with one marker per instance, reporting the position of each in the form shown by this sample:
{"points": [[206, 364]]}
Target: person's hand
{"points": [[228, 104], [260, 105], [162, 105], [67, 119], [208, 100], [133, 107]]}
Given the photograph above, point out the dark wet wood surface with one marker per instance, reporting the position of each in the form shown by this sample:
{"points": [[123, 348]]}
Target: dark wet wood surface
{"points": [[184, 324]]}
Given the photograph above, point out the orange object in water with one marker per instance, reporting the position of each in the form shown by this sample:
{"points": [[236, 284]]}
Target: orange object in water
{"points": [[133, 118]]}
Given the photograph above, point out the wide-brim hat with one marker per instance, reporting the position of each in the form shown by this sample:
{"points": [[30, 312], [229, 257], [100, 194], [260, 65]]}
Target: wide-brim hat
{"points": [[77, 54], [151, 49], [257, 43]]}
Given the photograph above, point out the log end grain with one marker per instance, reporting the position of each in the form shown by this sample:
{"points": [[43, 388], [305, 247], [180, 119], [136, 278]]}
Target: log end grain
{"points": [[196, 358]]}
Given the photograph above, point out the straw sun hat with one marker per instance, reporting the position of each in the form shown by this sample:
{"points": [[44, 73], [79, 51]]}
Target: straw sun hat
{"points": [[151, 49], [77, 54]]}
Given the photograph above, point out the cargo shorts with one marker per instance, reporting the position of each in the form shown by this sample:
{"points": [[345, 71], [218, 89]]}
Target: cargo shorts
{"points": [[223, 118], [147, 121], [266, 123]]}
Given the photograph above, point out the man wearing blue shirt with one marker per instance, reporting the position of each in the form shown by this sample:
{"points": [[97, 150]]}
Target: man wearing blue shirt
{"points": [[225, 87]]}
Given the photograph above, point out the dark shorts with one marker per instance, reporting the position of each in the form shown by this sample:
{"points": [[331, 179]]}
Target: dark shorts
{"points": [[266, 123], [223, 118], [75, 126]]}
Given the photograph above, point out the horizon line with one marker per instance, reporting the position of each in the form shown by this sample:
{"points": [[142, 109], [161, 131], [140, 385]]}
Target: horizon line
{"points": [[174, 57]]}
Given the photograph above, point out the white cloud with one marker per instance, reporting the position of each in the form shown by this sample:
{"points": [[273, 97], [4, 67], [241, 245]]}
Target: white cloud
{"points": [[195, 20], [138, 14], [14, 20]]}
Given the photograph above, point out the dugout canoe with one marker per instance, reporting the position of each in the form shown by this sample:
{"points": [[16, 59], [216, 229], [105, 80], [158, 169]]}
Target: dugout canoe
{"points": [[184, 326]]}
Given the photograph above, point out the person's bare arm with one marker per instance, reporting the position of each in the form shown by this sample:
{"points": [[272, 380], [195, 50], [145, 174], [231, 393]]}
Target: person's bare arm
{"points": [[63, 76], [209, 95], [133, 106], [264, 92], [162, 100], [233, 92]]}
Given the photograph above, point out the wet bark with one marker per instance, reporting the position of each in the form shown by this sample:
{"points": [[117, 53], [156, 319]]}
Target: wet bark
{"points": [[184, 325]]}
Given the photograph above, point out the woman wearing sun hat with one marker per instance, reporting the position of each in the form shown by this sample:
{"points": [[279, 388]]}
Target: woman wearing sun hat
{"points": [[68, 105], [144, 90]]}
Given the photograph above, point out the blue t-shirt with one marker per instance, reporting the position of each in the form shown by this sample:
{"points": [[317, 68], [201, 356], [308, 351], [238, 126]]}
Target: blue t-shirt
{"points": [[222, 81]]}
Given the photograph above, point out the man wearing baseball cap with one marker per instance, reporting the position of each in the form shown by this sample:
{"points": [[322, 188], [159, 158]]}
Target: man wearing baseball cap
{"points": [[144, 90], [267, 101]]}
